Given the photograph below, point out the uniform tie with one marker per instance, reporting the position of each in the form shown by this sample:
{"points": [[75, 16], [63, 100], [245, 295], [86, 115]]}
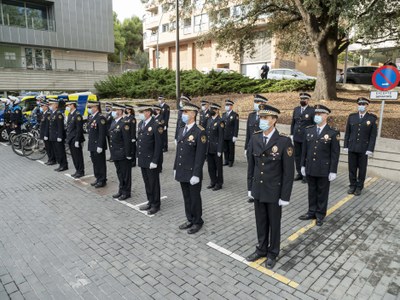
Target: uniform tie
{"points": [[265, 140], [318, 131], [302, 110], [185, 131]]}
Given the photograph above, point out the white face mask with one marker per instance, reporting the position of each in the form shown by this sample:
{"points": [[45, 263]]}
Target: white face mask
{"points": [[141, 116], [68, 109], [227, 108], [203, 108], [114, 114]]}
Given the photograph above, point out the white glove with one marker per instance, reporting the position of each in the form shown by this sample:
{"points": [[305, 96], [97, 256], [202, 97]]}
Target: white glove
{"points": [[369, 153], [249, 195], [303, 171], [291, 137], [153, 166], [194, 180], [245, 153], [133, 140], [99, 150], [59, 140], [234, 139], [46, 138], [219, 154], [165, 127], [76, 144], [176, 142], [174, 174], [129, 158], [332, 176], [345, 150], [283, 202]]}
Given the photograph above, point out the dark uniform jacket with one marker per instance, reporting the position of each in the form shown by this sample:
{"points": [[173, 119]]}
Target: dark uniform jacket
{"points": [[165, 112], [190, 153], [271, 167], [109, 119], [252, 126], [149, 144], [56, 126], [215, 135], [361, 134], [179, 124], [320, 154], [300, 121], [231, 125], [120, 140], [7, 115], [16, 117], [97, 130], [204, 116], [44, 125], [75, 127]]}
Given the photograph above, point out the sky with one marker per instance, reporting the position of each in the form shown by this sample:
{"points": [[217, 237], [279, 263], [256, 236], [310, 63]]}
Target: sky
{"points": [[128, 8]]}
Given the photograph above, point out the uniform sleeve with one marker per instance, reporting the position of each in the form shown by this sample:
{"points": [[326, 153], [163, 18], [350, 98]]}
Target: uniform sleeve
{"points": [[347, 134], [236, 128], [126, 135], [304, 151], [250, 165], [372, 137], [287, 171], [166, 115], [158, 144], [247, 134], [79, 129], [46, 126], [200, 153], [60, 126], [292, 125], [133, 129], [335, 153], [221, 129], [102, 125]]}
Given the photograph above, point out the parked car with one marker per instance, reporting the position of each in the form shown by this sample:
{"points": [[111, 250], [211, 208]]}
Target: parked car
{"points": [[280, 74], [359, 75], [218, 70]]}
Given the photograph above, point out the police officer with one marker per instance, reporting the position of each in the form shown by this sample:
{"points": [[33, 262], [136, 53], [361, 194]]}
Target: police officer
{"points": [[319, 162], [231, 121], [359, 143], [44, 132], [303, 116], [164, 115], [109, 119], [215, 146], [16, 115], [120, 150], [130, 118], [179, 123], [57, 135], [188, 166], [150, 154], [7, 116], [97, 145], [204, 113], [75, 138], [270, 180]]}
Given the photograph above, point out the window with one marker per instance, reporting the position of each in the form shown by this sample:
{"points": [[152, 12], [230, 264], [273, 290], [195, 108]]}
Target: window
{"points": [[165, 27], [14, 13], [37, 58], [10, 56], [37, 17], [187, 23], [199, 3], [201, 23]]}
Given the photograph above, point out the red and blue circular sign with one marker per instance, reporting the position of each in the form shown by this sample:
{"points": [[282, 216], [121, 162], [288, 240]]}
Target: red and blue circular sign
{"points": [[386, 78]]}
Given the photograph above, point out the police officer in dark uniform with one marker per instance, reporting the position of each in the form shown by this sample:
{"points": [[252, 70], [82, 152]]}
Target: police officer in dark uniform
{"points": [[270, 180], [204, 113], [16, 116], [57, 135], [303, 116], [215, 146], [109, 119], [120, 150], [75, 138], [44, 132], [179, 123], [164, 115], [319, 162], [7, 116], [231, 120], [188, 166], [130, 118], [150, 154], [359, 143], [97, 145]]}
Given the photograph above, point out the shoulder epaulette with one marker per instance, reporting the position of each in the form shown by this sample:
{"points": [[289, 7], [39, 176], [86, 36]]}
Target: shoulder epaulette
{"points": [[375, 116], [282, 134], [201, 127], [309, 126], [256, 132], [352, 114]]}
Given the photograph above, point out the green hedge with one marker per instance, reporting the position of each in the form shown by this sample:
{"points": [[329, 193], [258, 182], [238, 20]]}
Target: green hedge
{"points": [[147, 83]]}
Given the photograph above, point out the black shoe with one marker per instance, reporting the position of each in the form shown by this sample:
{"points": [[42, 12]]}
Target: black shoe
{"points": [[165, 150], [116, 196], [51, 163], [93, 183], [254, 256], [270, 263], [351, 190], [357, 192], [100, 185], [133, 165], [195, 228], [57, 169], [304, 180], [211, 186], [185, 225], [124, 197], [298, 177], [79, 175], [62, 169], [306, 217], [217, 187], [250, 200], [73, 175], [226, 163], [320, 222], [153, 210], [230, 164], [145, 207]]}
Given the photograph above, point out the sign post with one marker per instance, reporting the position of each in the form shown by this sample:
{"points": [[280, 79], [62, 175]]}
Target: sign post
{"points": [[384, 79]]}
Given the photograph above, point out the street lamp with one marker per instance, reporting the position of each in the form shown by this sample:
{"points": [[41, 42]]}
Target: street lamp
{"points": [[177, 74]]}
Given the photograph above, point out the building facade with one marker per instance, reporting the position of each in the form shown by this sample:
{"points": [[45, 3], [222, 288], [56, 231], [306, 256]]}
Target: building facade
{"points": [[64, 39]]}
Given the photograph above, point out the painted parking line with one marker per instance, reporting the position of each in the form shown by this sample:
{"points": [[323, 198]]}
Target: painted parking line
{"points": [[41, 162], [136, 207], [255, 265], [4, 144]]}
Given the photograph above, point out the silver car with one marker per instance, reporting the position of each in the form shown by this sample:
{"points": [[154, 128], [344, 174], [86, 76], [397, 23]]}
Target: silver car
{"points": [[280, 74]]}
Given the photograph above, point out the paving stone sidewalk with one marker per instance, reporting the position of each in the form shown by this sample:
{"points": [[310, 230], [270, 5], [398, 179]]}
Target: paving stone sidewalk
{"points": [[63, 239]]}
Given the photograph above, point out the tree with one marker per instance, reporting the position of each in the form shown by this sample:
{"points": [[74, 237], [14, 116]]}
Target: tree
{"points": [[119, 40]]}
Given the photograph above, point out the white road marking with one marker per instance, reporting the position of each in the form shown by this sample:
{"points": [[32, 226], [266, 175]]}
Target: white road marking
{"points": [[136, 207]]}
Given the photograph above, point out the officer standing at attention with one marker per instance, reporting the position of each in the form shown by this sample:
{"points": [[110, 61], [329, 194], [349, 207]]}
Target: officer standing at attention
{"points": [[97, 145], [303, 116], [130, 118], [179, 123], [359, 143], [231, 120], [7, 115], [16, 116], [215, 146], [165, 112], [109, 120], [270, 180], [319, 162], [57, 135], [75, 138], [150, 154], [188, 166], [204, 113], [44, 132], [120, 151]]}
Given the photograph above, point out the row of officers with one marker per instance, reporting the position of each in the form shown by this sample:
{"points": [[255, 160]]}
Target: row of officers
{"points": [[272, 157]]}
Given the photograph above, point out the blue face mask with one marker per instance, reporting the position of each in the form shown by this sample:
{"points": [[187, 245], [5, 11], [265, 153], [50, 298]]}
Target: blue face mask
{"points": [[114, 114], [89, 110], [256, 108], [318, 119], [185, 118], [227, 108], [361, 108], [141, 117], [264, 125], [41, 109]]}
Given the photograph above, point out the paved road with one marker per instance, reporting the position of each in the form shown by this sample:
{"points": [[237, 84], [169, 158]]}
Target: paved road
{"points": [[62, 239]]}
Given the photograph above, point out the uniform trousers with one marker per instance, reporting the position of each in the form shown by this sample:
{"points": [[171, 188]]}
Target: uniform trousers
{"points": [[297, 156], [357, 162], [192, 200], [229, 151], [165, 139], [61, 155], [77, 157], [124, 174], [99, 166], [50, 151], [318, 193], [151, 178], [215, 168]]}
